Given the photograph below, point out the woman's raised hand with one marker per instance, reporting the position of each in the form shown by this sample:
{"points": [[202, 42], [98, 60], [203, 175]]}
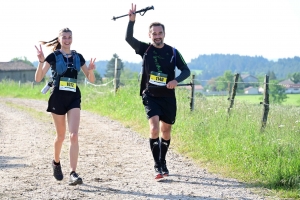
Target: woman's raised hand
{"points": [[92, 65], [40, 54]]}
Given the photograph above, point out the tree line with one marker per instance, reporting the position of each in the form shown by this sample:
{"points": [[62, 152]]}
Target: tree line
{"points": [[214, 65]]}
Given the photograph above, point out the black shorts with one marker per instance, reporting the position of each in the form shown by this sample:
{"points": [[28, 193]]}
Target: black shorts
{"points": [[60, 102], [164, 107]]}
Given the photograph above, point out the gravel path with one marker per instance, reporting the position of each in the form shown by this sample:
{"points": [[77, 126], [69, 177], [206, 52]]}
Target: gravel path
{"points": [[114, 162]]}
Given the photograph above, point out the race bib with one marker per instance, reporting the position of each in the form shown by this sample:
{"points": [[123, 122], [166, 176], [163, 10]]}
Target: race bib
{"points": [[67, 84], [157, 78]]}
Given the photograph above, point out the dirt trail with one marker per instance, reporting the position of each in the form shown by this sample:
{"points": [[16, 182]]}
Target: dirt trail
{"points": [[114, 162]]}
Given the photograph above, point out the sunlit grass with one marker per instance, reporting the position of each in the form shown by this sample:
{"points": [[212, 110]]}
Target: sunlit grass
{"points": [[292, 99]]}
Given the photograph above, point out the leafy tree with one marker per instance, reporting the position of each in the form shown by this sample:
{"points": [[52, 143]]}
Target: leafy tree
{"points": [[98, 77], [295, 77], [110, 67], [25, 60], [222, 81], [277, 92]]}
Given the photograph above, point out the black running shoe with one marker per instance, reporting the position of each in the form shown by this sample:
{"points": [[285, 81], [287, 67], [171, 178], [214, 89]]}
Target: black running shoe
{"points": [[164, 168], [57, 173], [75, 179], [158, 171]]}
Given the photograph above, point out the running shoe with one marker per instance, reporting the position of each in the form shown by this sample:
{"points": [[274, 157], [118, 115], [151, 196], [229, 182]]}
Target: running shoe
{"points": [[164, 168], [158, 171], [57, 173], [75, 179]]}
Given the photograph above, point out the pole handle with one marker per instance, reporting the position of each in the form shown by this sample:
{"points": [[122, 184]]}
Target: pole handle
{"points": [[139, 11]]}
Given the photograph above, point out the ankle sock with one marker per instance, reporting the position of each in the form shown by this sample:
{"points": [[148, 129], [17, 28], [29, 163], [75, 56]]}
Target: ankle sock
{"points": [[55, 163]]}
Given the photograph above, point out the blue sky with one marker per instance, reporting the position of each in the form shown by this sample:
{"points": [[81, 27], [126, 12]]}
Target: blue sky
{"points": [[268, 28]]}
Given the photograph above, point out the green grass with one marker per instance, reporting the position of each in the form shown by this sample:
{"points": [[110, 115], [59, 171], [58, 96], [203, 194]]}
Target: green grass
{"points": [[292, 100], [24, 90], [233, 146]]}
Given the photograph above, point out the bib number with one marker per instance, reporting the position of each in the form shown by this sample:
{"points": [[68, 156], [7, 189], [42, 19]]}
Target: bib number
{"points": [[158, 78], [67, 84]]}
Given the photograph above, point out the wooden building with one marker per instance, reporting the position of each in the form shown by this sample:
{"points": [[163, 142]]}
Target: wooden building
{"points": [[17, 71]]}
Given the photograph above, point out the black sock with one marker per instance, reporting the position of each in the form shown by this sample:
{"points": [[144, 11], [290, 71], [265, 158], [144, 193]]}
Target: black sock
{"points": [[55, 163], [154, 146], [164, 146]]}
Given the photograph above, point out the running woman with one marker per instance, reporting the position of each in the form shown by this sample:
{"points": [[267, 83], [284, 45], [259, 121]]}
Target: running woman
{"points": [[65, 98], [158, 83]]}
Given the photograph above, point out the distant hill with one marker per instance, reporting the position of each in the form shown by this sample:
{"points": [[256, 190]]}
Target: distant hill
{"points": [[135, 67], [100, 66], [214, 65]]}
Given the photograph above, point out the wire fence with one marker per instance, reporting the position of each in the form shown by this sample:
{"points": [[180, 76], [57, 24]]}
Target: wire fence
{"points": [[231, 91], [200, 80]]}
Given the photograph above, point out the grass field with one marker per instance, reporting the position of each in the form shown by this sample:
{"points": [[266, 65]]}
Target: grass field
{"points": [[292, 100], [232, 145]]}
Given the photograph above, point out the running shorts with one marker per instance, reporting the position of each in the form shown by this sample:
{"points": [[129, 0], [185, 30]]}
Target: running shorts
{"points": [[164, 107], [60, 102]]}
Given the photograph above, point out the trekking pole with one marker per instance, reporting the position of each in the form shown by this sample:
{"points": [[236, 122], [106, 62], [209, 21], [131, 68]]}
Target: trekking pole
{"points": [[180, 84], [142, 12]]}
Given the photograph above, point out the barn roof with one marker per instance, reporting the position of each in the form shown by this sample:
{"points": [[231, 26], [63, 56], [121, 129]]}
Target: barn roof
{"points": [[16, 66], [243, 76]]}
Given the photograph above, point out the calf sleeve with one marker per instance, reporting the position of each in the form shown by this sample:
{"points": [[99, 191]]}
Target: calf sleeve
{"points": [[164, 146], [154, 146]]}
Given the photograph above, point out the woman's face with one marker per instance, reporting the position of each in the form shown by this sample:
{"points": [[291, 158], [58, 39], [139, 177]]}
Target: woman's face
{"points": [[65, 39]]}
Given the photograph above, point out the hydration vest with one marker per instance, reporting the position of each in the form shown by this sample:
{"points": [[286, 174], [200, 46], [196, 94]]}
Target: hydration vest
{"points": [[144, 60], [61, 65], [140, 77], [145, 54]]}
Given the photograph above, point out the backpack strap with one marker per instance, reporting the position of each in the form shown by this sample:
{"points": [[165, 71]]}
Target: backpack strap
{"points": [[174, 56], [76, 60], [144, 56], [143, 64]]}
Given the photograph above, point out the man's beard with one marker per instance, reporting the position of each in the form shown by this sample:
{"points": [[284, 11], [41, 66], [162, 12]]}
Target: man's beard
{"points": [[158, 43]]}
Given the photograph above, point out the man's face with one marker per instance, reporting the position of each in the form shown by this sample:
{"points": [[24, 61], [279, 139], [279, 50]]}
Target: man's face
{"points": [[157, 35]]}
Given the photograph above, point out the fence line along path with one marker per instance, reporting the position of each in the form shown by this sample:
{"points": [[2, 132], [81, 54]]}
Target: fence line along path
{"points": [[114, 161]]}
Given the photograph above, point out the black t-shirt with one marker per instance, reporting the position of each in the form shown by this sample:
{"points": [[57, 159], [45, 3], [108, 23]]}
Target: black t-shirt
{"points": [[157, 60], [71, 71], [160, 60]]}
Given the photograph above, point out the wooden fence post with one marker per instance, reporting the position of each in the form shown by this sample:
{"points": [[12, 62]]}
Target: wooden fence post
{"points": [[117, 76], [265, 103], [192, 93], [229, 89], [233, 92]]}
